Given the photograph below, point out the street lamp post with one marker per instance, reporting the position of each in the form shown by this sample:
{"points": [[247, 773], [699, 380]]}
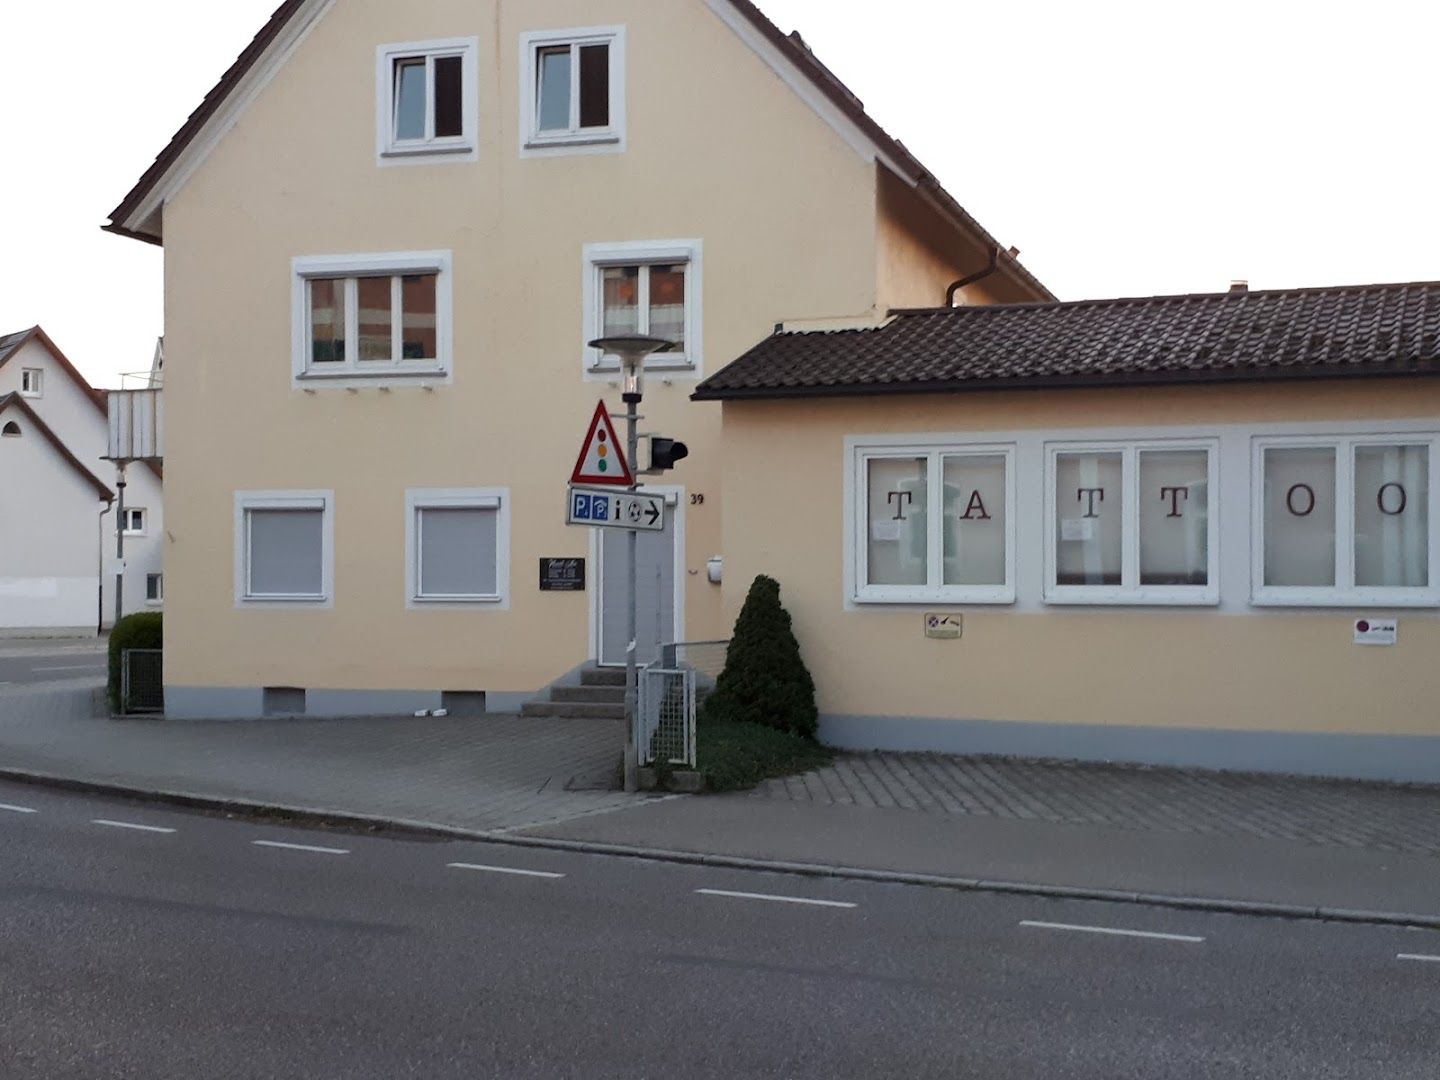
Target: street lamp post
{"points": [[632, 351]]}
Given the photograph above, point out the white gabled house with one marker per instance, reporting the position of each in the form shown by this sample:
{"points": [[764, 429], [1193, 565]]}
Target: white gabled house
{"points": [[58, 500]]}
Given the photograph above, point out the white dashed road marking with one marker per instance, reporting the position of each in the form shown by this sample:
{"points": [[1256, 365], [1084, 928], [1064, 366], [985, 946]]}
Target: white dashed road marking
{"points": [[1184, 938], [1419, 957], [130, 825], [72, 667], [17, 809], [776, 899], [503, 870], [301, 847]]}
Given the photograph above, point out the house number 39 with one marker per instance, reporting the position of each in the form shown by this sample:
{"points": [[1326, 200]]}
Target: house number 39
{"points": [[697, 500]]}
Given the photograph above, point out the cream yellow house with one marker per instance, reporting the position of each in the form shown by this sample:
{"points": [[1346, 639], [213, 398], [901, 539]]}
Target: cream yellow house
{"points": [[1195, 530], [390, 231]]}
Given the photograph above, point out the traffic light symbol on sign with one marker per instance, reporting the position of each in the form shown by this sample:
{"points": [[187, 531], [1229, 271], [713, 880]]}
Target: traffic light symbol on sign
{"points": [[602, 460]]}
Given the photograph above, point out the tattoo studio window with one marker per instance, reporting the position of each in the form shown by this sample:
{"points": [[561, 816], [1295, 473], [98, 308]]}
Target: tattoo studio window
{"points": [[935, 525], [1345, 522], [1131, 524]]}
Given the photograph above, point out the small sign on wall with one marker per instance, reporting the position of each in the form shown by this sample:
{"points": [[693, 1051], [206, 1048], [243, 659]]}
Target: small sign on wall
{"points": [[1376, 631], [562, 575], [944, 627]]}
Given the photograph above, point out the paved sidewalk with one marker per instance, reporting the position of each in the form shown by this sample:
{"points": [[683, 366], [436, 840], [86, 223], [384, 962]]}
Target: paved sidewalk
{"points": [[480, 774], [1371, 817]]}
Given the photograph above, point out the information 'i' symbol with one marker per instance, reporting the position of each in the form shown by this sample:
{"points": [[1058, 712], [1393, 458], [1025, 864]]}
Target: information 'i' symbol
{"points": [[603, 452]]}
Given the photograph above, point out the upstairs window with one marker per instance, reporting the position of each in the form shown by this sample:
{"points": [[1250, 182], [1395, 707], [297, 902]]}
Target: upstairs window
{"points": [[427, 100], [32, 382], [1346, 521], [573, 92], [154, 588], [382, 317], [652, 289], [134, 521]]}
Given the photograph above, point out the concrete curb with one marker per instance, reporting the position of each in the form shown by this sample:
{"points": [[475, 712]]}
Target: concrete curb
{"points": [[348, 820]]}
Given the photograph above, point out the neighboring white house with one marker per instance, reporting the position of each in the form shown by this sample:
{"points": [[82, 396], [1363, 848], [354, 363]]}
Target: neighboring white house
{"points": [[58, 498]]}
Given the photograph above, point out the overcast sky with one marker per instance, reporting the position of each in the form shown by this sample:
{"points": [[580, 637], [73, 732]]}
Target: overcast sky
{"points": [[1127, 147]]}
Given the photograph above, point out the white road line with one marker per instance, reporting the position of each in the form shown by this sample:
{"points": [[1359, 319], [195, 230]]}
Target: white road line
{"points": [[1186, 938], [503, 870], [1420, 957], [17, 809], [130, 825], [301, 847], [73, 667], [776, 899]]}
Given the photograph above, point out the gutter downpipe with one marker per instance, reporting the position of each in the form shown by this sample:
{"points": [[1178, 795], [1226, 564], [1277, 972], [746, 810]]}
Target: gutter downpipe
{"points": [[971, 279]]}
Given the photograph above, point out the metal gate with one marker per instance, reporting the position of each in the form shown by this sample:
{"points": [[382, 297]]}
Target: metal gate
{"points": [[142, 681], [667, 716]]}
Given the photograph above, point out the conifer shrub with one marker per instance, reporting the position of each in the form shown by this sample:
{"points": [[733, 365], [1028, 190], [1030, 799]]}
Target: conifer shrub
{"points": [[765, 681]]}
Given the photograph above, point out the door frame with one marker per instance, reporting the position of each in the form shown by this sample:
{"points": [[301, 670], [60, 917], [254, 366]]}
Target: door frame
{"points": [[675, 503]]}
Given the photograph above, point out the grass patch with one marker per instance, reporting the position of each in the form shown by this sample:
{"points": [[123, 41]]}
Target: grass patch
{"points": [[734, 755]]}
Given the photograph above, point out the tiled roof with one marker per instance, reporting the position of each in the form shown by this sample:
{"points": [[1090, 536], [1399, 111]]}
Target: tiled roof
{"points": [[10, 342], [1294, 333], [792, 46]]}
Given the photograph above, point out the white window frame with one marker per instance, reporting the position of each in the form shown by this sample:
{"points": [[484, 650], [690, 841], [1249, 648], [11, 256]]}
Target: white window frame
{"points": [[159, 597], [32, 382], [933, 592], [577, 140], [597, 257], [353, 372], [465, 147], [1344, 593], [491, 498], [127, 530], [1130, 591], [246, 501]]}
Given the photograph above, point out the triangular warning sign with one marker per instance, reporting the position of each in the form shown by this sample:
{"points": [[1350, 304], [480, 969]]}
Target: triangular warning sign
{"points": [[602, 459]]}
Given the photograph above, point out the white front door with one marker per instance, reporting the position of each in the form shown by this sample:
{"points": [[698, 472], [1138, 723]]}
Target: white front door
{"points": [[659, 579]]}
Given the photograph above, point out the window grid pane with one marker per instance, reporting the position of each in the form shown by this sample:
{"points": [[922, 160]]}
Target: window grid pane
{"points": [[1300, 489], [458, 551], [449, 97], [285, 553], [327, 320], [1392, 516], [411, 108], [667, 302], [975, 519], [1174, 517], [376, 320], [419, 322], [553, 89], [897, 523], [595, 86], [1089, 518], [620, 300]]}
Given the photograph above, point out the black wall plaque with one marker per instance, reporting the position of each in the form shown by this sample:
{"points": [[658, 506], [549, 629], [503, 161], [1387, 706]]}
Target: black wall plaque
{"points": [[562, 575]]}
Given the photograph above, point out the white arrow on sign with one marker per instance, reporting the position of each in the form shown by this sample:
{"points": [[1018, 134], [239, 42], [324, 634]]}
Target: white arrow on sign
{"points": [[598, 508]]}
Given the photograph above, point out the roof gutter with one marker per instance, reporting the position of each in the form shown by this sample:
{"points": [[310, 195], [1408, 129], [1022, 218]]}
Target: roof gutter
{"points": [[971, 279]]}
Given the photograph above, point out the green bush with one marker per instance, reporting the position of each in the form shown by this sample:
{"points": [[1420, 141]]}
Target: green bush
{"points": [[736, 756], [765, 681], [145, 630]]}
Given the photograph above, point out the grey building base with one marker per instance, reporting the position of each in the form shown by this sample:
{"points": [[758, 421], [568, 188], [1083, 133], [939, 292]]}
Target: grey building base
{"points": [[1412, 759], [251, 703]]}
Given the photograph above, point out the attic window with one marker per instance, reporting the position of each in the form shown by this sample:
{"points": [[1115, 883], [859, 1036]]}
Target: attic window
{"points": [[10, 430], [32, 382], [427, 100], [574, 90]]}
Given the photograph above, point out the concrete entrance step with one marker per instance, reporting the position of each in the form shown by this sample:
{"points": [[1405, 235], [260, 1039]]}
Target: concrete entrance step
{"points": [[598, 676], [574, 710], [597, 695]]}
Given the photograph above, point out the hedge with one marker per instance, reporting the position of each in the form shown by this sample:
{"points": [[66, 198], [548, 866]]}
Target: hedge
{"points": [[145, 630]]}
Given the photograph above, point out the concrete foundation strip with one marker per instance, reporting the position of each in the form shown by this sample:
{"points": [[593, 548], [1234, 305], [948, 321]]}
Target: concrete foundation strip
{"points": [[341, 819]]}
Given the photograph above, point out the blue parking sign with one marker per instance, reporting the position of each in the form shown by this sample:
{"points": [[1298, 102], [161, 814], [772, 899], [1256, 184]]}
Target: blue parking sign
{"points": [[584, 506]]}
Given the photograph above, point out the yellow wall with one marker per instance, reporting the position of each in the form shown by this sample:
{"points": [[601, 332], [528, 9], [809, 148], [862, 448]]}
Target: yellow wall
{"points": [[1262, 669], [719, 149]]}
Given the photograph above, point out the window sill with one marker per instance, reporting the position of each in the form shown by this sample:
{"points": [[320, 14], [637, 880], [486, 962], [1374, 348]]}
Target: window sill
{"points": [[1424, 598], [561, 142], [1103, 596], [436, 150], [652, 366], [381, 375], [992, 597]]}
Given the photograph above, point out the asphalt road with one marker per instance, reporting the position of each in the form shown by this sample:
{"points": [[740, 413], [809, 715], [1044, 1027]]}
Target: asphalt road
{"points": [[41, 663], [195, 947]]}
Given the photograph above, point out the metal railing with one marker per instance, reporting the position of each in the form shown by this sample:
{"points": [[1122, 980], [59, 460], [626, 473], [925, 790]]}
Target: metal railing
{"points": [[667, 716], [142, 681]]}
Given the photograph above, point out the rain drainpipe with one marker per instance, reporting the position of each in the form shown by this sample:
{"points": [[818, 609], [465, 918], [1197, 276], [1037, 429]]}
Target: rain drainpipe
{"points": [[971, 279]]}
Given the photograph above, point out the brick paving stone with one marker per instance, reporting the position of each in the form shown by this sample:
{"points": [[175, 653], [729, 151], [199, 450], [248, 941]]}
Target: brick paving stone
{"points": [[1377, 817]]}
